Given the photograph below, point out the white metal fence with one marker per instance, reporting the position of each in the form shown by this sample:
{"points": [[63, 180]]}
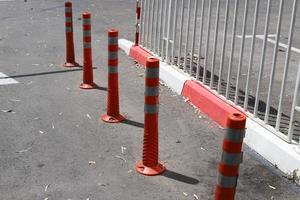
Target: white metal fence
{"points": [[244, 50]]}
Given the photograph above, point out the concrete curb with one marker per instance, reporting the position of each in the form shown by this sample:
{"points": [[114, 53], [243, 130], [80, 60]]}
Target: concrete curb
{"points": [[281, 154]]}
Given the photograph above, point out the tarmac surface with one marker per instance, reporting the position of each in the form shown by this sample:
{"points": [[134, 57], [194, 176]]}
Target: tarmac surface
{"points": [[52, 144]]}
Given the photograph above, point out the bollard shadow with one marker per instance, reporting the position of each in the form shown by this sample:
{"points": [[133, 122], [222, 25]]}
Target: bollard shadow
{"points": [[101, 88], [133, 123], [180, 177], [44, 73]]}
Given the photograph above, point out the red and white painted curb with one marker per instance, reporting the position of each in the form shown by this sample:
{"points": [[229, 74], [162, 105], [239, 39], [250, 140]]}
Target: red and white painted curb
{"points": [[285, 156]]}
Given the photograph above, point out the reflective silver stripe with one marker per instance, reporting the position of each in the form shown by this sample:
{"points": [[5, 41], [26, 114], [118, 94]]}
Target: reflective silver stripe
{"points": [[151, 109], [86, 21], [68, 9], [68, 19], [152, 91], [152, 72], [112, 55], [112, 70], [69, 29], [87, 45], [112, 40], [86, 33], [232, 158], [227, 181], [235, 135]]}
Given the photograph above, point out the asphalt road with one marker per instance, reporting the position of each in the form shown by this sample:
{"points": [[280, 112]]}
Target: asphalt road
{"points": [[52, 144]]}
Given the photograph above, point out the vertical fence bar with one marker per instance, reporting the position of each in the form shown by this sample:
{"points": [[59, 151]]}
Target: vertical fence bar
{"points": [[180, 33], [200, 40], [187, 35], [147, 24], [164, 41], [142, 22], [274, 61], [263, 56], [193, 36], [232, 47], [151, 11], [215, 45], [160, 28], [207, 41], [174, 32], [223, 46], [156, 27], [241, 52], [249, 71], [295, 100], [168, 32], [286, 65]]}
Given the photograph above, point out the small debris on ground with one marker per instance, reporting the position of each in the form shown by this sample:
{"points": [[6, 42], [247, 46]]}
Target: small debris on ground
{"points": [[24, 150], [53, 126], [203, 149], [92, 162], [41, 132], [88, 116], [46, 187], [60, 113], [121, 158], [185, 194], [7, 111], [178, 141], [272, 187], [186, 100], [15, 100], [123, 149], [196, 197]]}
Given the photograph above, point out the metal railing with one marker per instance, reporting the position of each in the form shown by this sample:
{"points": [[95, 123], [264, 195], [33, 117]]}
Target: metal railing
{"points": [[243, 50]]}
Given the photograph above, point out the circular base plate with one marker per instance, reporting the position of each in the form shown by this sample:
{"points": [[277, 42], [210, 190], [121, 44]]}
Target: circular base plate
{"points": [[149, 171], [75, 64], [88, 86], [111, 119]]}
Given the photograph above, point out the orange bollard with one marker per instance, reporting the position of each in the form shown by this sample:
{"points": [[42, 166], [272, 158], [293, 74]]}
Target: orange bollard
{"points": [[149, 165], [113, 113], [232, 156], [88, 82], [70, 52]]}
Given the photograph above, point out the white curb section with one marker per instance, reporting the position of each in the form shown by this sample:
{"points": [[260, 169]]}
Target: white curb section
{"points": [[125, 45], [278, 152]]}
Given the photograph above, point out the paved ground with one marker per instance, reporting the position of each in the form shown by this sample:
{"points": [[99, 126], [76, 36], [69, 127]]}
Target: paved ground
{"points": [[52, 134]]}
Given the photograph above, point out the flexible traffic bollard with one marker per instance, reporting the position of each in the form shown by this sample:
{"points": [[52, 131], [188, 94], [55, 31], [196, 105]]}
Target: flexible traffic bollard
{"points": [[70, 52], [88, 82], [232, 156], [137, 25], [149, 165], [113, 112]]}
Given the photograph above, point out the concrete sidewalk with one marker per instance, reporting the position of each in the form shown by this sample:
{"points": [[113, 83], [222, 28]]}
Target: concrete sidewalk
{"points": [[52, 144]]}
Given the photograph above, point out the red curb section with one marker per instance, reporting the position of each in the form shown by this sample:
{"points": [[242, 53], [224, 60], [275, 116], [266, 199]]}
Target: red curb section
{"points": [[139, 54], [207, 102], [210, 104]]}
